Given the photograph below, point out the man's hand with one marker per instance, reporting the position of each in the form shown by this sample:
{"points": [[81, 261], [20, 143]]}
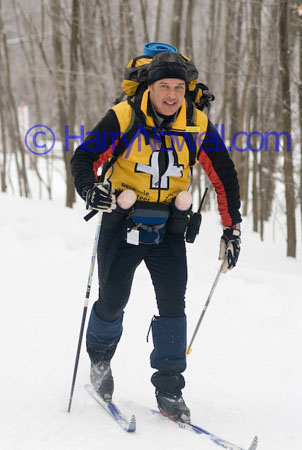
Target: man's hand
{"points": [[100, 197], [230, 247]]}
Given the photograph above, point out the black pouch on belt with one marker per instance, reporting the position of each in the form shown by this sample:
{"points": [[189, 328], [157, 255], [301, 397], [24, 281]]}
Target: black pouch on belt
{"points": [[178, 220], [193, 227]]}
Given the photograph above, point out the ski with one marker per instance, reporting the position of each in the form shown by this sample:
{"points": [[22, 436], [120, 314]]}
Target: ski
{"points": [[113, 411], [217, 440]]}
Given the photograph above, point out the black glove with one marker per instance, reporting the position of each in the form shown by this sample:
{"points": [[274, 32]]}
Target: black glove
{"points": [[100, 196], [230, 247]]}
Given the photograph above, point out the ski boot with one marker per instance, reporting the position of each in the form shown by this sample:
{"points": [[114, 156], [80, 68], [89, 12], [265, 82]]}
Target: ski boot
{"points": [[102, 379], [173, 406], [100, 370], [101, 350]]}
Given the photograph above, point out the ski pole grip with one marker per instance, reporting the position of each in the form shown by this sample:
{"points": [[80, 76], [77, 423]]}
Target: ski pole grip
{"points": [[91, 214]]}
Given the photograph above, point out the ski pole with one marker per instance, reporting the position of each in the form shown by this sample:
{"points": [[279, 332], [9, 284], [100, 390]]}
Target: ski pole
{"points": [[189, 348], [203, 199], [92, 263]]}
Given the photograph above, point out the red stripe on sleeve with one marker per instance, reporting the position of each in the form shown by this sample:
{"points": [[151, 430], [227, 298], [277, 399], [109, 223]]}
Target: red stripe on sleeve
{"points": [[207, 165], [103, 158]]}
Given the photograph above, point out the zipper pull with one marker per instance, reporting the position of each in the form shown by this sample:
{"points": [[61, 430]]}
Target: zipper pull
{"points": [[153, 318]]}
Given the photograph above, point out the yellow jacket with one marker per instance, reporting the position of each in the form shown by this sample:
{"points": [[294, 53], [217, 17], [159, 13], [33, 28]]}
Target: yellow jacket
{"points": [[139, 168], [157, 168]]}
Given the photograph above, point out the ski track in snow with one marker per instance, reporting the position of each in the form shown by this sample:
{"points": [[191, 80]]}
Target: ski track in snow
{"points": [[244, 373]]}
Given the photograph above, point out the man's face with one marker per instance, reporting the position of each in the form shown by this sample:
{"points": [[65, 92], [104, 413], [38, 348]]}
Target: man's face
{"points": [[167, 95]]}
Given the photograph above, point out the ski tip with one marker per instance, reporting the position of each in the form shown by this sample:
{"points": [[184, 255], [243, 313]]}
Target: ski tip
{"points": [[132, 424], [254, 444]]}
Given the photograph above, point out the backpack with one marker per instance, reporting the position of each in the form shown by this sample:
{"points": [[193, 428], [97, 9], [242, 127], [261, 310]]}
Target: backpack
{"points": [[136, 75]]}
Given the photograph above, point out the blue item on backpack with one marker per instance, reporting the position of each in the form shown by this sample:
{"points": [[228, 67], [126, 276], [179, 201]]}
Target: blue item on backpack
{"points": [[152, 48]]}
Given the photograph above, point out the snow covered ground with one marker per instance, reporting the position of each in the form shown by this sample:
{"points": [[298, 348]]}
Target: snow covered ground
{"points": [[244, 373]]}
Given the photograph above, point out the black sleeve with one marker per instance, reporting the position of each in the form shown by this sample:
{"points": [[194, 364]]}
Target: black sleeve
{"points": [[216, 161], [94, 151]]}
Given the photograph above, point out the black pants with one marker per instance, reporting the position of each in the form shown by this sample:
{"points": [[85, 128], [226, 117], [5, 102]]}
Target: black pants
{"points": [[118, 260], [167, 265]]}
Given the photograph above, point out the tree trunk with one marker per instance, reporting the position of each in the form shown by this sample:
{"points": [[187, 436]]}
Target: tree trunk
{"points": [[234, 108], [189, 30], [177, 23], [158, 16], [300, 114], [144, 20], [227, 58], [15, 125], [271, 118], [286, 118], [61, 94], [31, 62], [88, 53], [130, 27], [74, 43], [3, 162], [255, 109], [244, 175], [255, 192]]}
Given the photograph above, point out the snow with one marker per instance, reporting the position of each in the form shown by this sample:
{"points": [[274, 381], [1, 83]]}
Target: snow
{"points": [[244, 373]]}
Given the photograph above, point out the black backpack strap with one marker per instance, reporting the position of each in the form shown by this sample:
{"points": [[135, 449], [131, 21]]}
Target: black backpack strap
{"points": [[190, 135], [206, 97], [137, 112], [119, 99], [137, 119]]}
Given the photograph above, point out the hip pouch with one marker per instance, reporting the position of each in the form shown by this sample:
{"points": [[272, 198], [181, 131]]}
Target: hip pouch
{"points": [[178, 220], [147, 223]]}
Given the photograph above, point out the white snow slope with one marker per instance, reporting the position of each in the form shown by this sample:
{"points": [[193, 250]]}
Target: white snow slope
{"points": [[244, 374]]}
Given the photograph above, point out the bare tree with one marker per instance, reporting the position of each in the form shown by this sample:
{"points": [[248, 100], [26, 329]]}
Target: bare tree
{"points": [[30, 59], [14, 126], [286, 118], [299, 14], [256, 108], [158, 16], [3, 160], [89, 55], [226, 62], [74, 44], [66, 101], [176, 23], [234, 80], [74, 53], [130, 27], [189, 29], [143, 4], [268, 88]]}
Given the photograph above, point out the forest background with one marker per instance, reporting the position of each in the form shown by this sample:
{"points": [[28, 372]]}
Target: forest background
{"points": [[62, 65]]}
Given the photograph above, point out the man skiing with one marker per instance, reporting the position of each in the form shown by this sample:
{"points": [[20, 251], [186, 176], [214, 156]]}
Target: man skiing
{"points": [[145, 192]]}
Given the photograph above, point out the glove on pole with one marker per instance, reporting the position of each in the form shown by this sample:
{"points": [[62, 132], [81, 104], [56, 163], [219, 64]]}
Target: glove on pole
{"points": [[230, 247], [92, 263], [189, 348], [101, 197]]}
